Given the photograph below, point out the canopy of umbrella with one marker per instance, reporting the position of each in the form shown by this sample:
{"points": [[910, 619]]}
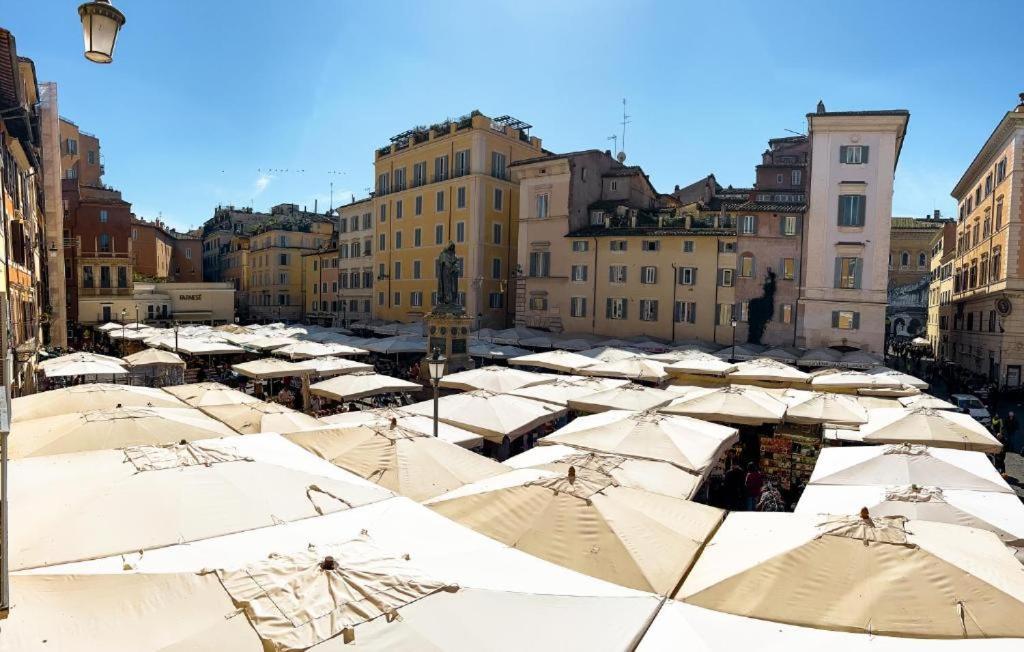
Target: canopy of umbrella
{"points": [[247, 418], [85, 398], [82, 364], [407, 421], [493, 379], [355, 386], [493, 416]]}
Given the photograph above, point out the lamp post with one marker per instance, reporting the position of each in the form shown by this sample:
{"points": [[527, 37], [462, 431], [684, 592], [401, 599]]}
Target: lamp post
{"points": [[176, 325], [732, 357], [101, 22], [136, 315], [435, 365], [124, 323]]}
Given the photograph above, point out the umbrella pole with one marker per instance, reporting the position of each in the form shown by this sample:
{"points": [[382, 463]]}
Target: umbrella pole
{"points": [[5, 431]]}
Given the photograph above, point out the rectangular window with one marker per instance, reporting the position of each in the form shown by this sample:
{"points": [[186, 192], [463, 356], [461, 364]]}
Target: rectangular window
{"points": [[795, 177], [851, 210], [618, 245], [499, 199], [542, 206], [382, 183], [686, 312], [499, 165], [578, 306], [441, 168], [853, 154], [746, 266], [725, 314], [382, 241], [460, 232], [103, 216], [496, 233], [417, 237], [496, 300], [687, 246], [786, 310], [616, 273], [616, 308], [748, 224], [579, 273], [418, 205], [398, 270], [439, 201], [439, 234], [397, 299], [726, 277], [104, 242], [649, 275], [104, 277], [367, 218], [398, 209], [540, 263], [648, 310], [416, 299], [744, 311], [383, 212], [462, 163], [398, 239], [460, 197], [687, 276], [580, 246], [87, 278], [539, 302], [999, 213], [788, 269], [845, 319], [419, 174], [496, 268], [650, 245], [122, 277], [789, 224], [848, 273]]}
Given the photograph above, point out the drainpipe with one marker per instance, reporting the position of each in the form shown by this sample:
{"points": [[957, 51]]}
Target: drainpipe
{"points": [[593, 312], [675, 282]]}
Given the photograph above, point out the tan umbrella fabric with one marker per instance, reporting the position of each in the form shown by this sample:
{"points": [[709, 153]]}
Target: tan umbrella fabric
{"points": [[825, 407], [925, 401], [849, 380], [698, 362], [884, 576], [635, 368], [494, 416], [942, 428], [649, 475], [306, 350], [111, 428], [902, 378], [209, 394], [82, 364], [585, 521], [149, 357], [627, 397], [269, 343], [268, 368], [735, 404], [101, 503], [768, 370], [687, 443], [493, 379], [409, 463], [249, 418], [325, 367], [889, 392], [200, 346], [83, 398], [408, 421], [559, 360], [610, 353], [351, 387], [563, 390]]}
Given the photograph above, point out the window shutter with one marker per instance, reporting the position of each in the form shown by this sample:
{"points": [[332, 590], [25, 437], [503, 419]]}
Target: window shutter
{"points": [[839, 264], [835, 319], [693, 313], [608, 308], [861, 209], [857, 272], [679, 276], [782, 225], [840, 213], [624, 270], [842, 153], [864, 154], [753, 219], [856, 320], [693, 276], [720, 277], [780, 271], [625, 307], [796, 269]]}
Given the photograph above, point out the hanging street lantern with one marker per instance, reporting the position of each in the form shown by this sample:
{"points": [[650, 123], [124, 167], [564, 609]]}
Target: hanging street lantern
{"points": [[101, 22]]}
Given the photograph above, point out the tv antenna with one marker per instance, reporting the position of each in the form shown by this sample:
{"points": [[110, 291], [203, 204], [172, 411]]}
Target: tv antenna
{"points": [[625, 121], [615, 141]]}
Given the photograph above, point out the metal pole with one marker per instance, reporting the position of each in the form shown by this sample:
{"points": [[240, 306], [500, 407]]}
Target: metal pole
{"points": [[732, 357], [434, 383], [5, 430]]}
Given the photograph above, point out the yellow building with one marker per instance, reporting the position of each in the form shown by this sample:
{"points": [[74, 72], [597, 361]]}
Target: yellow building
{"points": [[234, 269], [320, 287], [987, 334], [940, 290], [275, 265], [449, 182], [80, 154], [355, 261]]}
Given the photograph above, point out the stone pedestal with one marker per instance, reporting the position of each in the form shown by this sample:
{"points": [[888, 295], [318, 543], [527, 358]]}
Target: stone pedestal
{"points": [[449, 333]]}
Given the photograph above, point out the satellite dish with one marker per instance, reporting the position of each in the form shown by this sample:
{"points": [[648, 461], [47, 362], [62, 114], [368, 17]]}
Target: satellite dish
{"points": [[620, 157]]}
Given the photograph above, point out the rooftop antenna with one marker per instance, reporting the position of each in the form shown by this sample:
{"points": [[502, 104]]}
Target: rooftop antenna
{"points": [[798, 133], [625, 121], [615, 141], [332, 198]]}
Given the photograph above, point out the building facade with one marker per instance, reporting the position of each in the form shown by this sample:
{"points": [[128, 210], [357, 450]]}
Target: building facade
{"points": [[80, 155], [846, 231], [162, 254], [448, 183], [321, 289], [355, 261], [987, 330], [910, 257], [55, 325], [940, 290], [275, 255]]}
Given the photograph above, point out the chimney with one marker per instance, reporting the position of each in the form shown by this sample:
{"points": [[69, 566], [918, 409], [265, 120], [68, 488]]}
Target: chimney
{"points": [[937, 214], [1020, 105]]}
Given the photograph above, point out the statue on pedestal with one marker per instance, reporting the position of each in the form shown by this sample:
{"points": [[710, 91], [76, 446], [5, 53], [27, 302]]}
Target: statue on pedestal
{"points": [[448, 280]]}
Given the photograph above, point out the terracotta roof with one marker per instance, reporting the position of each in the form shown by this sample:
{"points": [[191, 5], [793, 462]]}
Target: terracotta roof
{"points": [[884, 112], [766, 207], [554, 157], [600, 231], [918, 223]]}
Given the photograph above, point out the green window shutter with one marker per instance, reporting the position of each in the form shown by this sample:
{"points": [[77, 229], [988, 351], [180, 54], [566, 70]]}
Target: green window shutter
{"points": [[856, 320], [693, 276], [838, 271], [861, 209], [857, 272], [864, 154], [799, 225], [625, 308], [835, 319], [693, 314], [840, 210], [754, 220], [842, 153], [608, 308], [611, 273]]}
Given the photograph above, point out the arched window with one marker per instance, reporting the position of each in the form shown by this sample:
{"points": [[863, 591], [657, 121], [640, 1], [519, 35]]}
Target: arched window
{"points": [[997, 259], [922, 260], [905, 258], [747, 265]]}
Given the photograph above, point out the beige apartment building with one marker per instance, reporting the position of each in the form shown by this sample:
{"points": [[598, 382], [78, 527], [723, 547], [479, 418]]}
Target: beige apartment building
{"points": [[234, 269], [355, 261], [448, 183], [80, 155], [276, 248], [911, 242], [987, 330], [940, 290], [601, 252], [320, 298]]}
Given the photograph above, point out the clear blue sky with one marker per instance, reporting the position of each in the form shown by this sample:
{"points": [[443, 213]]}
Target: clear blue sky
{"points": [[205, 93]]}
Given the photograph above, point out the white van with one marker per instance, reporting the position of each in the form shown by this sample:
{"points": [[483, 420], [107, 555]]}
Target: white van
{"points": [[969, 404]]}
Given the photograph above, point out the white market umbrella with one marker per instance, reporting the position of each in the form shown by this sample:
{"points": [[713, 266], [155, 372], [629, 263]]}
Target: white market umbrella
{"points": [[942, 428], [859, 360], [336, 366], [483, 349], [585, 521], [84, 398], [352, 387], [557, 360], [902, 378], [249, 418], [209, 394], [698, 362], [785, 354], [820, 357], [627, 397], [270, 342], [907, 464], [635, 368], [766, 369], [852, 380], [200, 346], [825, 407], [564, 389], [516, 335], [738, 352], [307, 350], [111, 428], [689, 444], [736, 404], [837, 572], [407, 421], [494, 416], [610, 353], [925, 401], [574, 344], [82, 364], [267, 368], [151, 357], [493, 379], [697, 345], [400, 344]]}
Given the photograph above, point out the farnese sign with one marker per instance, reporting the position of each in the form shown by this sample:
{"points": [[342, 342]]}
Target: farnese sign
{"points": [[190, 297]]}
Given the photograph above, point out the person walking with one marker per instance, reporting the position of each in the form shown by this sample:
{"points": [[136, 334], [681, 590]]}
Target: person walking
{"points": [[1010, 433], [733, 486], [754, 483]]}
